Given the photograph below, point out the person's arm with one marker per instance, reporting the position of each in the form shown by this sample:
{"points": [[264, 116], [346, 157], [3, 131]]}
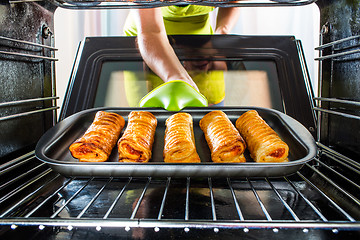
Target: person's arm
{"points": [[155, 48], [226, 19]]}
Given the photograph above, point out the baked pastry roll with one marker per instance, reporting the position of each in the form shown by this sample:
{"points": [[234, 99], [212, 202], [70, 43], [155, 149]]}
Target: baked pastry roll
{"points": [[99, 139], [225, 142], [179, 139], [135, 145], [263, 142]]}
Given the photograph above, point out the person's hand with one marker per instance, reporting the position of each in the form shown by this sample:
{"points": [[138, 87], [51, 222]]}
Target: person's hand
{"points": [[155, 47], [189, 81], [221, 30], [193, 84]]}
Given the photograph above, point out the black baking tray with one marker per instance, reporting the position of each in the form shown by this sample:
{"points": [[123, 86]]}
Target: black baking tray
{"points": [[53, 148]]}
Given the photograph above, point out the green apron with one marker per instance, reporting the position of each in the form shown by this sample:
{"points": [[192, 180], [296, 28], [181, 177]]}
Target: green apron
{"points": [[184, 20]]}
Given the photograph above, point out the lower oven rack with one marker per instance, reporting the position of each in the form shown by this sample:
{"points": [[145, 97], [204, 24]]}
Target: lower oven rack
{"points": [[44, 199]]}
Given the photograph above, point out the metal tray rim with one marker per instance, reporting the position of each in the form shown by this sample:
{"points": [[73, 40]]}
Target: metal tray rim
{"points": [[70, 168]]}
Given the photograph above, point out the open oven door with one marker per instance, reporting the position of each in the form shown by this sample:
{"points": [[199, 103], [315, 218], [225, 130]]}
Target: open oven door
{"points": [[258, 71]]}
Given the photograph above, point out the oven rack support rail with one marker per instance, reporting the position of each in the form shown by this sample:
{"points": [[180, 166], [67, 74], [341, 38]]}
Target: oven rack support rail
{"points": [[345, 49], [40, 177], [31, 51], [126, 4]]}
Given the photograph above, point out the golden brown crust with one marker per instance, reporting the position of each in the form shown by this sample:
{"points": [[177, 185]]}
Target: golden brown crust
{"points": [[263, 142], [98, 141], [225, 142], [179, 139], [136, 143]]}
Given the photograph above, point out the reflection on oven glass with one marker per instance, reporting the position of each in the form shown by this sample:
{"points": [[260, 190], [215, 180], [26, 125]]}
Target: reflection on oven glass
{"points": [[223, 83]]}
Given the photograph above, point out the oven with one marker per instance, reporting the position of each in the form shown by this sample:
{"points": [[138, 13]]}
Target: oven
{"points": [[44, 198]]}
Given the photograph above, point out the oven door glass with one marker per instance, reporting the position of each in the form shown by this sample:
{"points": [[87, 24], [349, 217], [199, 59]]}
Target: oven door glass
{"points": [[224, 83]]}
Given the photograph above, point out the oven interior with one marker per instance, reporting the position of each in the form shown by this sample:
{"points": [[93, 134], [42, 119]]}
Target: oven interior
{"points": [[320, 201]]}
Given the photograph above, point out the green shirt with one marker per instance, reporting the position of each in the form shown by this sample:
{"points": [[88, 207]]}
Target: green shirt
{"points": [[187, 20], [179, 20]]}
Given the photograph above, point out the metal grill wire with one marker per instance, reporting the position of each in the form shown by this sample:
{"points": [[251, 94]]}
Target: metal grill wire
{"points": [[22, 55], [80, 202]]}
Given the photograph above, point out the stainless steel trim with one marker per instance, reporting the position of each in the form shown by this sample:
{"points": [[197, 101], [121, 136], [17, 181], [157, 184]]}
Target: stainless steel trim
{"points": [[237, 206], [28, 55], [335, 155], [187, 198], [322, 46], [337, 100], [306, 75], [20, 176], [49, 197], [158, 3], [71, 198], [293, 214], [334, 55], [252, 3], [357, 201], [145, 223], [24, 185], [53, 79], [27, 42], [94, 198], [16, 162], [320, 82], [164, 198], [337, 113], [268, 217], [213, 211], [338, 174], [136, 208], [341, 162], [116, 199], [317, 211], [23, 1], [27, 113], [23, 200], [12, 103], [72, 74], [327, 197]]}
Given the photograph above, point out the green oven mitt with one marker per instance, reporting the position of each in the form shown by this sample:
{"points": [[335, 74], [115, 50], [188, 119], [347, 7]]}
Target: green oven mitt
{"points": [[174, 96]]}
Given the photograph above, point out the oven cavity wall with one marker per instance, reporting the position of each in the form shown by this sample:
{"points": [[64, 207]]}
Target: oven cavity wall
{"points": [[27, 95]]}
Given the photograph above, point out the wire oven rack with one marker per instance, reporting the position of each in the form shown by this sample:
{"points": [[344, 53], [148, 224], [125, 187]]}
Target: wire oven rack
{"points": [[42, 198]]}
